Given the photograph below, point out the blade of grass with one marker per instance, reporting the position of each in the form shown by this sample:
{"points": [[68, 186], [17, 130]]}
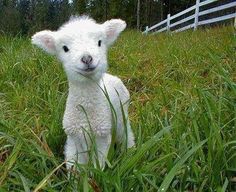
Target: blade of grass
{"points": [[131, 161], [169, 177], [11, 160], [45, 179], [224, 188]]}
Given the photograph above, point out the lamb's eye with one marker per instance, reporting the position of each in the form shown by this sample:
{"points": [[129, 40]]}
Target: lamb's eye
{"points": [[99, 43], [65, 48]]}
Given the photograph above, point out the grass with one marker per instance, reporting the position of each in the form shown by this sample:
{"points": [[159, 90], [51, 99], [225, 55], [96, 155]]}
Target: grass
{"points": [[183, 113]]}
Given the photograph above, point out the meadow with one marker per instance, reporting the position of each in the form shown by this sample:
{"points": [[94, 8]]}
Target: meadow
{"points": [[183, 113]]}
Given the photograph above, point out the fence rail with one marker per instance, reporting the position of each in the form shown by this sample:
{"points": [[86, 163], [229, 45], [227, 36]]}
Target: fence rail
{"points": [[197, 13]]}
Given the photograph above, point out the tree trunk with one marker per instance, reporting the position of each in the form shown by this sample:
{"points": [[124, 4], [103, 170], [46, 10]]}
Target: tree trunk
{"points": [[106, 9], [161, 4], [138, 14]]}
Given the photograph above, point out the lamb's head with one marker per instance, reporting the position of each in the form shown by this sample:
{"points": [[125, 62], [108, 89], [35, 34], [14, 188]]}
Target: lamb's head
{"points": [[81, 45]]}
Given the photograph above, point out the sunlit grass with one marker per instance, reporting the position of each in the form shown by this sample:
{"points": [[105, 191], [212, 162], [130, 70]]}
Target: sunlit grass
{"points": [[183, 113]]}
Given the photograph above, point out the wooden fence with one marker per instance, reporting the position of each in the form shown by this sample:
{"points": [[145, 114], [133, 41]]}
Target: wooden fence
{"points": [[168, 22]]}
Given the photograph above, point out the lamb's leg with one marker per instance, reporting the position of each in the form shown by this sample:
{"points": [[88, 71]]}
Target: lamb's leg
{"points": [[130, 136], [75, 151], [125, 134], [102, 144]]}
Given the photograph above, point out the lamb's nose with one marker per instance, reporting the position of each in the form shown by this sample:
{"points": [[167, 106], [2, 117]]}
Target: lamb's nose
{"points": [[87, 59]]}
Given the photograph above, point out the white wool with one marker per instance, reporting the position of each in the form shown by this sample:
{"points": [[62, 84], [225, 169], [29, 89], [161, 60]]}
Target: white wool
{"points": [[81, 45]]}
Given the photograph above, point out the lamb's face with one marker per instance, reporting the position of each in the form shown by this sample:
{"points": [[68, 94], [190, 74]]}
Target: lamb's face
{"points": [[82, 50], [81, 45]]}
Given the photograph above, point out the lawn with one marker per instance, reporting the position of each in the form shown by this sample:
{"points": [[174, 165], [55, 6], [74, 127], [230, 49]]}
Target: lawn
{"points": [[183, 113]]}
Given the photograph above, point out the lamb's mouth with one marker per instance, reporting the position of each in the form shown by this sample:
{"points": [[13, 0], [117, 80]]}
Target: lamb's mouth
{"points": [[86, 70], [89, 69]]}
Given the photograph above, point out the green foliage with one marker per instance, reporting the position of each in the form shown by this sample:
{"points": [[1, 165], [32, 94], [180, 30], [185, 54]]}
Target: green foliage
{"points": [[182, 112], [25, 17], [80, 6]]}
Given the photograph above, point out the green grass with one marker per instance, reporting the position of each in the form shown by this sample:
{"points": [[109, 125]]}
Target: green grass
{"points": [[183, 113]]}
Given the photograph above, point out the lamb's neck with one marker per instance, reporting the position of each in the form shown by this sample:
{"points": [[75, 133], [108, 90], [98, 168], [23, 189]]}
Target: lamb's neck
{"points": [[84, 88]]}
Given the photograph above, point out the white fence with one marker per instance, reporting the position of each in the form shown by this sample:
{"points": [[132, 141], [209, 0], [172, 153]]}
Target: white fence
{"points": [[168, 22]]}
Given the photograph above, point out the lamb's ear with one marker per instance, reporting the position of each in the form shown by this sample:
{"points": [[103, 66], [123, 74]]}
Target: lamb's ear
{"points": [[45, 40], [113, 28]]}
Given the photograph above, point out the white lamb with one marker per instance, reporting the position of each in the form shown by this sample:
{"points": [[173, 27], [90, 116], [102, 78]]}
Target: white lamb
{"points": [[81, 45]]}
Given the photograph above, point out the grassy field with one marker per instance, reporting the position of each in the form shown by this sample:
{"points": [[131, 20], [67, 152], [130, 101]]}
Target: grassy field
{"points": [[183, 113]]}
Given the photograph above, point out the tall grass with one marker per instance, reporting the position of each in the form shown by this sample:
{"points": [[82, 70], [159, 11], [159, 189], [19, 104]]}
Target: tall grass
{"points": [[183, 113]]}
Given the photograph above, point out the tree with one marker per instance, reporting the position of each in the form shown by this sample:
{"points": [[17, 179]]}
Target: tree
{"points": [[80, 6], [24, 10], [29, 16], [138, 14], [9, 17], [96, 9]]}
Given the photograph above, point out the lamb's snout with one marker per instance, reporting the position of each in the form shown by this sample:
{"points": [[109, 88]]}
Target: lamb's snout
{"points": [[87, 59]]}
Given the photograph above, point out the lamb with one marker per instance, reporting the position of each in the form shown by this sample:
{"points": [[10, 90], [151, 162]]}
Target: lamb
{"points": [[81, 45]]}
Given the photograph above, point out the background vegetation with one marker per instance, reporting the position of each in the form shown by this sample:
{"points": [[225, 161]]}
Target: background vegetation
{"points": [[25, 17], [183, 114]]}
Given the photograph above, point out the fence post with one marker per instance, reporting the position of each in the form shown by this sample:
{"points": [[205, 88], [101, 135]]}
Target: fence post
{"points": [[235, 22], [146, 30], [196, 14], [168, 23]]}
